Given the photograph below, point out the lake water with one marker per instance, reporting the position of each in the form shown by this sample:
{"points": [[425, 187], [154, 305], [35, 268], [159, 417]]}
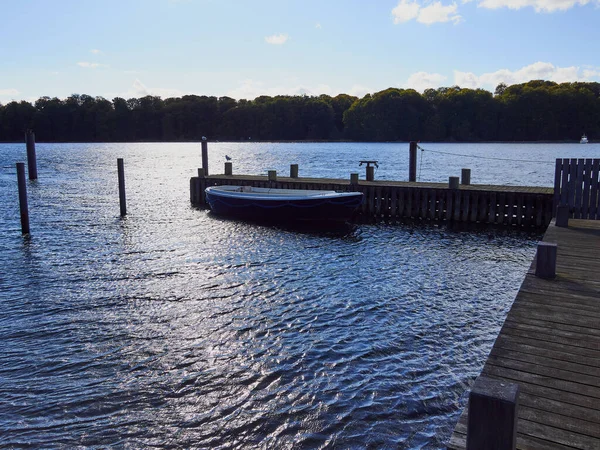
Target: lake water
{"points": [[173, 328]]}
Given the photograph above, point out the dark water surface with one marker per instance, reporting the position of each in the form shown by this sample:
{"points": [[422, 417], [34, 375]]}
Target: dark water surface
{"points": [[172, 328]]}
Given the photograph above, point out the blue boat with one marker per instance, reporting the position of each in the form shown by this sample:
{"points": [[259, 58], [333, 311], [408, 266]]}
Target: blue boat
{"points": [[282, 205]]}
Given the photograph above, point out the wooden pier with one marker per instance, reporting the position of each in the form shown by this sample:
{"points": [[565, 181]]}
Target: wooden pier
{"points": [[519, 206], [550, 346]]}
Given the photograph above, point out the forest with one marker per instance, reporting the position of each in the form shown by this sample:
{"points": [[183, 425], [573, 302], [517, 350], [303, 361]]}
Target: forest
{"points": [[533, 111]]}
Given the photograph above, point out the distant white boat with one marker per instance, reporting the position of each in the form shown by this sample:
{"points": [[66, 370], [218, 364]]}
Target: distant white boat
{"points": [[584, 139]]}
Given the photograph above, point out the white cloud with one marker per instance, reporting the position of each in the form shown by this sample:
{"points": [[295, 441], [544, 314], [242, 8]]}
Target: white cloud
{"points": [[358, 90], [277, 39], [318, 25], [8, 92], [422, 80], [538, 5], [139, 89], [90, 65], [405, 11], [95, 51], [536, 71], [432, 13], [436, 12]]}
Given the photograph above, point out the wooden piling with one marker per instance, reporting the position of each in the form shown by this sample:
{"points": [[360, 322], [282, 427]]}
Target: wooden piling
{"points": [[493, 412], [24, 209], [353, 178], [546, 260], [272, 175], [370, 173], [453, 182], [293, 170], [465, 177], [412, 169], [31, 157], [201, 172], [121, 175], [228, 168], [205, 156]]}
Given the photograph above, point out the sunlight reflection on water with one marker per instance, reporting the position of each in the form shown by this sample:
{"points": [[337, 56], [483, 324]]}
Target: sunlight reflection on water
{"points": [[173, 328]]}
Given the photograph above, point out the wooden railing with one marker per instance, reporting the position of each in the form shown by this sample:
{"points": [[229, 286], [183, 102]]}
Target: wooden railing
{"points": [[577, 185]]}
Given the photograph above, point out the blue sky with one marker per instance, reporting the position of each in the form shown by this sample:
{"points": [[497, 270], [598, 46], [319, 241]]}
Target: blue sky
{"points": [[132, 48]]}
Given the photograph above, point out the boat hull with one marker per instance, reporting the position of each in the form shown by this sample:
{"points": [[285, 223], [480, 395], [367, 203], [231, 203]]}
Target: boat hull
{"points": [[259, 205]]}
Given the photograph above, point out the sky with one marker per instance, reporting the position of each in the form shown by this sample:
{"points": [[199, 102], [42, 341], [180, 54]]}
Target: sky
{"points": [[247, 48]]}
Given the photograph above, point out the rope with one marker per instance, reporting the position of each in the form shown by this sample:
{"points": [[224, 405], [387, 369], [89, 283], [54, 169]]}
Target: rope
{"points": [[486, 157]]}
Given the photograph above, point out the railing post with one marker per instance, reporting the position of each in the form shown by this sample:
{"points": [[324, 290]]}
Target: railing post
{"points": [[465, 176], [562, 216], [24, 209], [545, 266], [31, 158], [205, 155], [293, 170], [121, 175], [493, 411], [412, 168]]}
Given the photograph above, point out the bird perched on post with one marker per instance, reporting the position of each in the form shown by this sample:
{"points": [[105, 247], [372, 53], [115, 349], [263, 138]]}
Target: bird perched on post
{"points": [[227, 157]]}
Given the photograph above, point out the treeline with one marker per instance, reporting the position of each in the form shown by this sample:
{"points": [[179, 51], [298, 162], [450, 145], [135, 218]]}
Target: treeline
{"points": [[533, 111]]}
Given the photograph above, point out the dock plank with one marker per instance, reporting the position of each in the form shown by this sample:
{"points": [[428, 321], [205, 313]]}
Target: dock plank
{"points": [[550, 346]]}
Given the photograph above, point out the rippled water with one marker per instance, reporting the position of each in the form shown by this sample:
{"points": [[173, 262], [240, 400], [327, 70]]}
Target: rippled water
{"points": [[172, 328]]}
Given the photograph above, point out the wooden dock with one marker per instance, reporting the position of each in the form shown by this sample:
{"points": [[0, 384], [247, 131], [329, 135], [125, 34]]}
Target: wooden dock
{"points": [[527, 207], [550, 346]]}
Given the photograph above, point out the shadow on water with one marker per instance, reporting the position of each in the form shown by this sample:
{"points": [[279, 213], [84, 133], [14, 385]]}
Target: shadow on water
{"points": [[321, 228]]}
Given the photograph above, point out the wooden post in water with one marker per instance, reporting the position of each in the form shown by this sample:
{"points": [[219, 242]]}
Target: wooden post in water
{"points": [[205, 155], [293, 170], [493, 409], [370, 173], [354, 178], [545, 266], [121, 175], [24, 209], [272, 175], [412, 168], [31, 158], [228, 168], [465, 176], [562, 216], [453, 182], [201, 172]]}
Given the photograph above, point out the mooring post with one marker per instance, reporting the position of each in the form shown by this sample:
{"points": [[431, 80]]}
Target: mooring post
{"points": [[31, 158], [205, 155], [412, 168], [293, 170], [370, 173], [201, 172], [562, 216], [272, 175], [121, 174], [453, 182], [545, 266], [23, 197], [465, 176], [228, 168], [353, 178], [493, 409]]}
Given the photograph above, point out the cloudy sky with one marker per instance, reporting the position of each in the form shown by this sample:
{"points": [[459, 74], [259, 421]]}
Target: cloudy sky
{"points": [[243, 48]]}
